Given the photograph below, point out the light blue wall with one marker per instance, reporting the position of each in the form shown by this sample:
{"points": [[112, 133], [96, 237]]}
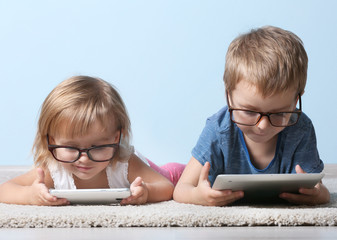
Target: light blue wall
{"points": [[165, 57]]}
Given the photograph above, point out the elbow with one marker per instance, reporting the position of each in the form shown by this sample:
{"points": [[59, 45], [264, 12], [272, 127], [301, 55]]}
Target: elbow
{"points": [[177, 195]]}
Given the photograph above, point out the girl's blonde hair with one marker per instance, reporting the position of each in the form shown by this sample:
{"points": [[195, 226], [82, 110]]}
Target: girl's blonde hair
{"points": [[269, 58], [74, 105]]}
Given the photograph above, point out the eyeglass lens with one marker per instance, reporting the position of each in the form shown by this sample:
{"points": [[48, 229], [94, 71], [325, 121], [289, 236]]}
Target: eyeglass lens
{"points": [[68, 154], [276, 119]]}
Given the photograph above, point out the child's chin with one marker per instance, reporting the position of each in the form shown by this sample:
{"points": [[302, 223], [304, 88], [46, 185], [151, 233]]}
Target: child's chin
{"points": [[260, 138], [83, 176]]}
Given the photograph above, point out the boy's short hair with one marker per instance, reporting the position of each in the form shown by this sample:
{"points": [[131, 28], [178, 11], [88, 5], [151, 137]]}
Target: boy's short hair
{"points": [[270, 58]]}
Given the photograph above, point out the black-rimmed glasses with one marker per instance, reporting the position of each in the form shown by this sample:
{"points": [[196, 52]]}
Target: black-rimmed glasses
{"points": [[276, 119], [69, 154]]}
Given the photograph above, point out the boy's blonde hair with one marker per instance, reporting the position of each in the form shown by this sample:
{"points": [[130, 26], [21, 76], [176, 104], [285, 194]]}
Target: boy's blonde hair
{"points": [[74, 105], [269, 58]]}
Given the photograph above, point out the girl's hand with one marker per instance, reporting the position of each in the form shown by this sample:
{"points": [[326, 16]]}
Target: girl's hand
{"points": [[317, 195], [40, 193], [211, 197], [139, 193]]}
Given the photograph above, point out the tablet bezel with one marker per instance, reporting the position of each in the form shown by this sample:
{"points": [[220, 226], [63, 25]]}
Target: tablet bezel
{"points": [[92, 196], [266, 185]]}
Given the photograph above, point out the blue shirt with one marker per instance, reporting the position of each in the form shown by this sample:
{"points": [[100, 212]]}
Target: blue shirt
{"points": [[222, 144]]}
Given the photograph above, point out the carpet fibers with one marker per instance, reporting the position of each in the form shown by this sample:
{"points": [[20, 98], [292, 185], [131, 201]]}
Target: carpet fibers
{"points": [[170, 213]]}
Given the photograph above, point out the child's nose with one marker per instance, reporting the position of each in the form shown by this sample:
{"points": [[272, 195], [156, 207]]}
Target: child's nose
{"points": [[84, 157], [263, 123]]}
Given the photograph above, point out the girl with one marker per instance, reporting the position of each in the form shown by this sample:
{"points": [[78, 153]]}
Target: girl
{"points": [[82, 141]]}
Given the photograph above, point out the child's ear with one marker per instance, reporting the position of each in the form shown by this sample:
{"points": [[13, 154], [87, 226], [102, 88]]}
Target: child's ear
{"points": [[228, 99], [298, 96], [51, 140], [118, 135]]}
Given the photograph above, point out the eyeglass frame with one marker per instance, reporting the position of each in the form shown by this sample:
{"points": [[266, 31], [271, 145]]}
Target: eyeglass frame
{"points": [[52, 147], [267, 114]]}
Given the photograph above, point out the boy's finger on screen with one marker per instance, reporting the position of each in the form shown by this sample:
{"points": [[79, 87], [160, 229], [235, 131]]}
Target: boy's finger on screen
{"points": [[227, 194], [228, 198], [294, 198], [309, 191], [237, 195]]}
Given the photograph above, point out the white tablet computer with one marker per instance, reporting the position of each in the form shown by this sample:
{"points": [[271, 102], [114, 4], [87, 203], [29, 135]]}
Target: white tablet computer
{"points": [[92, 196], [258, 186]]}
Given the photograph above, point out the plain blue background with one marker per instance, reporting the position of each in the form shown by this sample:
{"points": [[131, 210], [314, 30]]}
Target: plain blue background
{"points": [[166, 58]]}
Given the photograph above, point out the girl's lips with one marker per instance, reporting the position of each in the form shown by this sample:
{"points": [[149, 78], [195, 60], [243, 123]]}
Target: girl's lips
{"points": [[81, 168]]}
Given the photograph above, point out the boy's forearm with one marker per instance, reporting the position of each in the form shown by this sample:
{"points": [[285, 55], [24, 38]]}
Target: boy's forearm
{"points": [[326, 194], [186, 193]]}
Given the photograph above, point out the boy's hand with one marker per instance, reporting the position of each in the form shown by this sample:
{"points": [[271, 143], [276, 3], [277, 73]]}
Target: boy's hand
{"points": [[213, 197], [40, 193], [317, 195], [139, 193]]}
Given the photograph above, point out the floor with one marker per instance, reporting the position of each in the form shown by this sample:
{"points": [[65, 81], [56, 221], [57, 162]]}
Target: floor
{"points": [[260, 233], [175, 233]]}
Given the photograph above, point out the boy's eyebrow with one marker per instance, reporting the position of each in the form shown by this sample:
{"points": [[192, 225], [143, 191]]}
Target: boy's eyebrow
{"points": [[247, 107], [256, 109]]}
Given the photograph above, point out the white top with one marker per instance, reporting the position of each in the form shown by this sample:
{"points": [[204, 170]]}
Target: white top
{"points": [[117, 175]]}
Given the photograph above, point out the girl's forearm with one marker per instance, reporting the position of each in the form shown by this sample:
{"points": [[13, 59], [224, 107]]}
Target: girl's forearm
{"points": [[159, 191], [14, 194]]}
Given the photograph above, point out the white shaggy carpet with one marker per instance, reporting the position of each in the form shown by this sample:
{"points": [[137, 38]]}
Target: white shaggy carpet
{"points": [[170, 213]]}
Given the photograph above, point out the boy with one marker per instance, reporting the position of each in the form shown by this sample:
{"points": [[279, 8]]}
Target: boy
{"points": [[260, 131]]}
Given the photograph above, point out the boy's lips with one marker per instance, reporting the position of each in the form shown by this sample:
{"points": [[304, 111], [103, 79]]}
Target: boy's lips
{"points": [[260, 134]]}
